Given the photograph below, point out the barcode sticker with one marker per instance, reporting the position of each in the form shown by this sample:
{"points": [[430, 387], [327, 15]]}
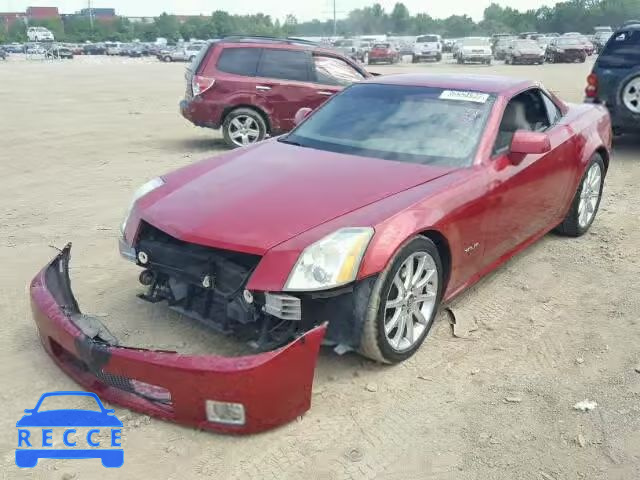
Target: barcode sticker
{"points": [[476, 97]]}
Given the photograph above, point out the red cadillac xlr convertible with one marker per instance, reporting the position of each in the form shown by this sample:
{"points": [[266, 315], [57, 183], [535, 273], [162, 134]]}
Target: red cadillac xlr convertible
{"points": [[389, 200]]}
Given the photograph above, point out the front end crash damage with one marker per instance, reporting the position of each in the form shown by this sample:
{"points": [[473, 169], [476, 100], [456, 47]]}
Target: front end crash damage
{"points": [[226, 394]]}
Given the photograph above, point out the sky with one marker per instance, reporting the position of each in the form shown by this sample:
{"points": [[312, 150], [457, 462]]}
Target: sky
{"points": [[305, 10]]}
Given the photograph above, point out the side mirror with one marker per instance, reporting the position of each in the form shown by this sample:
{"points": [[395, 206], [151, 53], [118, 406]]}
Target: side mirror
{"points": [[301, 115], [528, 143]]}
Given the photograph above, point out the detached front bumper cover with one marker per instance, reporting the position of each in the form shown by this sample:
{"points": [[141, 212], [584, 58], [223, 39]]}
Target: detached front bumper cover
{"points": [[273, 387]]}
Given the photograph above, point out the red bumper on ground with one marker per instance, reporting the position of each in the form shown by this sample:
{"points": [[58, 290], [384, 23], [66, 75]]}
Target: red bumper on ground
{"points": [[274, 387]]}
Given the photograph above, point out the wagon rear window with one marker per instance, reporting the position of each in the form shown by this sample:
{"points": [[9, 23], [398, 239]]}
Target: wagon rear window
{"points": [[622, 50], [403, 123]]}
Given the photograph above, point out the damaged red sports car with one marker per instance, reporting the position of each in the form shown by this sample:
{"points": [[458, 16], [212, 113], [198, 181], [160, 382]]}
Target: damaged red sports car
{"points": [[390, 199]]}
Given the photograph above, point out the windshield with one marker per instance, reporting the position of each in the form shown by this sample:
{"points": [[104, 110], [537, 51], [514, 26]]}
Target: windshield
{"points": [[344, 43], [569, 41], [427, 39], [381, 45], [526, 44], [475, 42], [397, 122]]}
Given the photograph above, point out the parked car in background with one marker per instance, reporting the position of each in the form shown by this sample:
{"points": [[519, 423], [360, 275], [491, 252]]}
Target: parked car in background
{"points": [[615, 79], [251, 87], [474, 50], [543, 42], [3, 53], [39, 34], [566, 49], [95, 49], [113, 48], [135, 50], [352, 48], [14, 48], [383, 52], [524, 52], [427, 47], [58, 51], [185, 53], [600, 39], [35, 49], [501, 46]]}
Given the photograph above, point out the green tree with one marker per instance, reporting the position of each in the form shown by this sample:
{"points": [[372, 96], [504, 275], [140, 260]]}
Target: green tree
{"points": [[290, 26], [400, 19], [168, 26]]}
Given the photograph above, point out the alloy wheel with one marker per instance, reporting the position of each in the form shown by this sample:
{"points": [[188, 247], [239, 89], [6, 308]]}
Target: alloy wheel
{"points": [[411, 301], [589, 195], [631, 95], [244, 130]]}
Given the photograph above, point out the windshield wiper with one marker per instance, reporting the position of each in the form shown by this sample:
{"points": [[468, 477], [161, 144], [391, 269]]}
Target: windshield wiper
{"points": [[289, 142]]}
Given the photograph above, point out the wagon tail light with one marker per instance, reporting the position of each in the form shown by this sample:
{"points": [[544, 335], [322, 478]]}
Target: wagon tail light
{"points": [[592, 86], [200, 84]]}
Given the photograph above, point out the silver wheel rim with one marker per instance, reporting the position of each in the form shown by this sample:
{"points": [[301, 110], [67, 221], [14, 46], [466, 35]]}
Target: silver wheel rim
{"points": [[631, 95], [589, 195], [411, 301], [244, 130]]}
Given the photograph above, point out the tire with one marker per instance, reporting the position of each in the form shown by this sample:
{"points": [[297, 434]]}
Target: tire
{"points": [[583, 59], [488, 62], [572, 226], [374, 343], [243, 115], [167, 58], [460, 61], [414, 59], [191, 58], [438, 57]]}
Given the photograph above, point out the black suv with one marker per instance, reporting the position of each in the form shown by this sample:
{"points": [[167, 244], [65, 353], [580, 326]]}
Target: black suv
{"points": [[615, 78]]}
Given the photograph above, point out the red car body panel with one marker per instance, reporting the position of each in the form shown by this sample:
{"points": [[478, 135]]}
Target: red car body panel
{"points": [[264, 210], [274, 387], [380, 54], [277, 99], [275, 199]]}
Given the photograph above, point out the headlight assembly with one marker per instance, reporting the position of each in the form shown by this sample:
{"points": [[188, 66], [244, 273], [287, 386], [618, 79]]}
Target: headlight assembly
{"points": [[148, 187], [331, 261]]}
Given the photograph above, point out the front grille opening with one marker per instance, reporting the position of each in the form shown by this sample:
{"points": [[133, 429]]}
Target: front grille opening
{"points": [[153, 393]]}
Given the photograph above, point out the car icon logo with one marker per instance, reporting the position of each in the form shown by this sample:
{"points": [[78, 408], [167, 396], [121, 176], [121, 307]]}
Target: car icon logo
{"points": [[82, 432]]}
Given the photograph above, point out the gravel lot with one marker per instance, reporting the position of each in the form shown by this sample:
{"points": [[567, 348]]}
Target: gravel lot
{"points": [[557, 325]]}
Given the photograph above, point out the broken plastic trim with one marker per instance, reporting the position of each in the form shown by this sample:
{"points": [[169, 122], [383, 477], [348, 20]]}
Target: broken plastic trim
{"points": [[274, 387]]}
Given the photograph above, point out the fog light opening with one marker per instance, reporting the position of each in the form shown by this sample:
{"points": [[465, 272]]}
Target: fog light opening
{"points": [[227, 413]]}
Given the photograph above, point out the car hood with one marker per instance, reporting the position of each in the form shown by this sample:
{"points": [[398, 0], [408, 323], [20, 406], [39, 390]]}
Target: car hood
{"points": [[529, 51], [254, 198]]}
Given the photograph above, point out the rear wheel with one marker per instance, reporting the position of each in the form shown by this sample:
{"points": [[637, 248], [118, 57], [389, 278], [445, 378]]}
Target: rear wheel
{"points": [[438, 57], [404, 303], [586, 200], [630, 95], [243, 126], [167, 58]]}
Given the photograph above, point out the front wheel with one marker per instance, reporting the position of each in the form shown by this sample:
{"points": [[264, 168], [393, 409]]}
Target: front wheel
{"points": [[243, 126], [404, 303], [586, 200], [167, 58]]}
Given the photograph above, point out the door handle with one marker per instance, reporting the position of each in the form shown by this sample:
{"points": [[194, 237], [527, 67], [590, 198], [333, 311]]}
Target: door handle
{"points": [[325, 93], [262, 87]]}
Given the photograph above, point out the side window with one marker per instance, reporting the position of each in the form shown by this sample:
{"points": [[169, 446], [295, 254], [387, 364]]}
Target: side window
{"points": [[553, 111], [525, 111], [284, 64], [241, 61], [333, 71]]}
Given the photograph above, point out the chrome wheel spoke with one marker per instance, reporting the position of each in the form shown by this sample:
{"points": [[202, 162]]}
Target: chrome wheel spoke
{"points": [[236, 123], [397, 338], [395, 303], [393, 321], [419, 317], [426, 279], [408, 273], [409, 329]]}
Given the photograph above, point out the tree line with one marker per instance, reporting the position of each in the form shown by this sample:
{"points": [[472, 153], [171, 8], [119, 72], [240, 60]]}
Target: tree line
{"points": [[571, 15]]}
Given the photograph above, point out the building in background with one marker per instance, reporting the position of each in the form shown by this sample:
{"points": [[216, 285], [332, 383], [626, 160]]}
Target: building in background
{"points": [[42, 13], [99, 12], [7, 19]]}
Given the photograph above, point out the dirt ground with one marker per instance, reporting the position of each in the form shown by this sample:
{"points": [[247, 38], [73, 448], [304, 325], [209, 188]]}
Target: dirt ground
{"points": [[557, 325]]}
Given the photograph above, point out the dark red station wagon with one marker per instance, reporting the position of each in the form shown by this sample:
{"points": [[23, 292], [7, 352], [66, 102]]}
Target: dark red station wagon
{"points": [[253, 86]]}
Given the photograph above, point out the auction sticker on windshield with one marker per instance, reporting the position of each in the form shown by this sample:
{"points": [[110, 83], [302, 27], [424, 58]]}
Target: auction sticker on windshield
{"points": [[465, 96]]}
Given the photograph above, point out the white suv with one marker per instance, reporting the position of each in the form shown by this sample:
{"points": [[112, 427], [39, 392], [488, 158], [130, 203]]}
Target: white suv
{"points": [[427, 47], [39, 34]]}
